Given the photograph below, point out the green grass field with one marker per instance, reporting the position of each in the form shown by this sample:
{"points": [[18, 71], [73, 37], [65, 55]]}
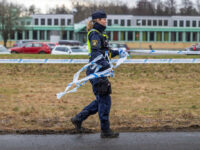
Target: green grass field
{"points": [[146, 97]]}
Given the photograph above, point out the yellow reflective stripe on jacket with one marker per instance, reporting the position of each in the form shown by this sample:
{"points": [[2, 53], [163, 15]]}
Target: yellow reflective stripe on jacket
{"points": [[88, 41]]}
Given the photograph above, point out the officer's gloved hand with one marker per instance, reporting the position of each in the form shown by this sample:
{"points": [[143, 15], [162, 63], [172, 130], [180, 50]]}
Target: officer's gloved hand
{"points": [[122, 53], [103, 87]]}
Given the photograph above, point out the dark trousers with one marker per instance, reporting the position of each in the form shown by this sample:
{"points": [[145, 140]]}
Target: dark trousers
{"points": [[102, 105]]}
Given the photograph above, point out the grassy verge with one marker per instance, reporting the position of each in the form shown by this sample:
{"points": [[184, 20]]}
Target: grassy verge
{"points": [[145, 97]]}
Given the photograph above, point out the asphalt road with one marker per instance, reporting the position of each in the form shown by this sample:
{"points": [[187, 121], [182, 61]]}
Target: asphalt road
{"points": [[126, 141]]}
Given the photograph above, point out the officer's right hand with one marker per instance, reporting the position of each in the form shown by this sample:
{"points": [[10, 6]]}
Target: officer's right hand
{"points": [[122, 53]]}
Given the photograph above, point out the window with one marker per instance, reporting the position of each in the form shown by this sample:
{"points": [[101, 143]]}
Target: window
{"points": [[122, 22], [28, 45], [122, 36], [149, 22], [144, 36], [42, 35], [165, 22], [199, 23], [55, 22], [115, 21], [144, 22], [139, 22], [160, 22], [62, 22], [194, 36], [180, 36], [173, 36], [154, 22], [159, 36], [130, 36], [37, 45], [71, 35], [115, 36], [137, 36], [42, 21], [188, 38], [26, 34], [64, 35], [181, 23], [151, 36], [49, 22], [166, 36], [187, 23], [36, 21], [128, 22], [175, 23], [48, 34], [194, 23], [35, 35], [109, 22], [62, 49], [69, 21]]}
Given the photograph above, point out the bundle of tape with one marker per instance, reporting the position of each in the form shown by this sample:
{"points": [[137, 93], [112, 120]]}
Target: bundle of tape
{"points": [[106, 73]]}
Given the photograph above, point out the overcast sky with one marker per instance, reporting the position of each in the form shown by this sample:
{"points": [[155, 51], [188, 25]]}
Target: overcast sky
{"points": [[44, 5]]}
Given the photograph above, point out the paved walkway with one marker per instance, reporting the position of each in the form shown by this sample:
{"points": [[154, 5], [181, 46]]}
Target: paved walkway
{"points": [[126, 141]]}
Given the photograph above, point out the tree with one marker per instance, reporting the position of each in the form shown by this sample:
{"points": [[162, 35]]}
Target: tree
{"points": [[9, 15], [198, 6], [59, 10], [188, 8], [170, 7]]}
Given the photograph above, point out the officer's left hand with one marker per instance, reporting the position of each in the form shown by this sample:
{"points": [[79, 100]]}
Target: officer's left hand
{"points": [[122, 53]]}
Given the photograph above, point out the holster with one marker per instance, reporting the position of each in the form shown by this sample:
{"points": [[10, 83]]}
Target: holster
{"points": [[103, 87]]}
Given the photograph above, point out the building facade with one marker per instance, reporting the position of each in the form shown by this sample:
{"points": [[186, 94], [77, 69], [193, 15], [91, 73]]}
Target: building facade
{"points": [[140, 32]]}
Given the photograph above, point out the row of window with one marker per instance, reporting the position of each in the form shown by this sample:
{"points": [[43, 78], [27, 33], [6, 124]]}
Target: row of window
{"points": [[149, 22], [50, 22], [187, 23], [122, 22], [64, 35], [155, 36]]}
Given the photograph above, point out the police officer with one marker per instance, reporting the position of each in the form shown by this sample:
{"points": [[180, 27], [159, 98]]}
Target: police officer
{"points": [[98, 45]]}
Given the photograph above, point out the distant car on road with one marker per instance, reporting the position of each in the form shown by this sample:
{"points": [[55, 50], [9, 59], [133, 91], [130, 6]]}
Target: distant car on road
{"points": [[51, 45], [195, 47], [68, 50], [20, 43], [32, 48], [69, 42], [117, 46], [4, 50]]}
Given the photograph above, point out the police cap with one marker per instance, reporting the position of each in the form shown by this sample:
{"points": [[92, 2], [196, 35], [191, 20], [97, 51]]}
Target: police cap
{"points": [[99, 14]]}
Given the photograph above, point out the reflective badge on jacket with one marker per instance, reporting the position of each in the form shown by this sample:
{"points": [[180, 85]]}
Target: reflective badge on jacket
{"points": [[94, 42]]}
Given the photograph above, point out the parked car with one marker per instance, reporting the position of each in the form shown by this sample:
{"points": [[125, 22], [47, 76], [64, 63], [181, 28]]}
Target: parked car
{"points": [[69, 42], [195, 47], [4, 50], [117, 46], [21, 43], [68, 50], [32, 48], [51, 45]]}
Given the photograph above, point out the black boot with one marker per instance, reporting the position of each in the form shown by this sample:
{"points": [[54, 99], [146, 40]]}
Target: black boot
{"points": [[77, 123], [109, 134]]}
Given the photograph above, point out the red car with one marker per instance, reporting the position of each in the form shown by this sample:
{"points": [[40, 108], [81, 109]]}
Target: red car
{"points": [[32, 48]]}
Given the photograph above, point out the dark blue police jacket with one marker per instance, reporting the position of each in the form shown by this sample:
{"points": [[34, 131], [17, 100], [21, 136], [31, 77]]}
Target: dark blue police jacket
{"points": [[96, 48]]}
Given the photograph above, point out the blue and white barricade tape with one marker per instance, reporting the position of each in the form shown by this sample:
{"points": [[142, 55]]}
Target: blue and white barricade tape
{"points": [[85, 61], [165, 52], [96, 74]]}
